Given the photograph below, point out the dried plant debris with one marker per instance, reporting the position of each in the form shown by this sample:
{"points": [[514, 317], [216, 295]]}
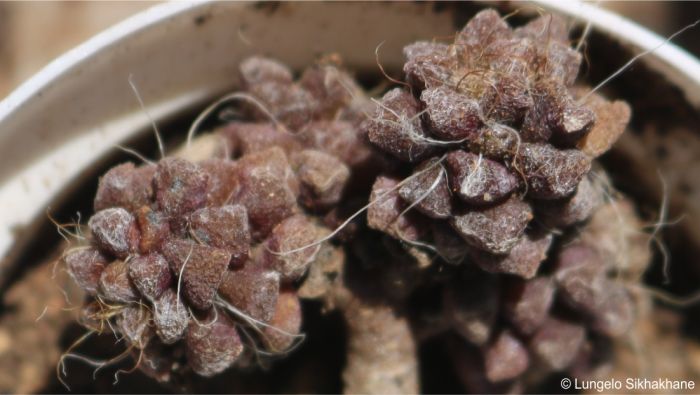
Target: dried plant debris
{"points": [[496, 144], [475, 174], [381, 352]]}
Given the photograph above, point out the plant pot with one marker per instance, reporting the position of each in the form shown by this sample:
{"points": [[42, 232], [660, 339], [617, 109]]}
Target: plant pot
{"points": [[66, 121]]}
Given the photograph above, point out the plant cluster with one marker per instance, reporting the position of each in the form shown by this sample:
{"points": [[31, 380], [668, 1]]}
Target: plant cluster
{"points": [[197, 265], [476, 174], [499, 145]]}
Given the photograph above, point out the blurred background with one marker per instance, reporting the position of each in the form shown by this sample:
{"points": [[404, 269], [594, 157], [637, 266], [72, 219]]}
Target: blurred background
{"points": [[34, 33]]}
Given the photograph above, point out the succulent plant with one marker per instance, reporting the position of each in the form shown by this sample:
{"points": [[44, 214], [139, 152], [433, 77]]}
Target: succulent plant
{"points": [[197, 264], [477, 179], [495, 146]]}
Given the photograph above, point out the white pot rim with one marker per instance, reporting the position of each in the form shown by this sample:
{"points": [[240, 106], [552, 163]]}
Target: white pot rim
{"points": [[679, 66], [602, 20], [92, 47]]}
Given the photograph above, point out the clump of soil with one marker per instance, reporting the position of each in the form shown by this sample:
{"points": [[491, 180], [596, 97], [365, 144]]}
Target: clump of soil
{"points": [[31, 327]]}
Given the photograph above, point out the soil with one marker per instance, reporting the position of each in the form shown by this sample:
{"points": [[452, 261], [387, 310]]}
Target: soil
{"points": [[36, 312]]}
